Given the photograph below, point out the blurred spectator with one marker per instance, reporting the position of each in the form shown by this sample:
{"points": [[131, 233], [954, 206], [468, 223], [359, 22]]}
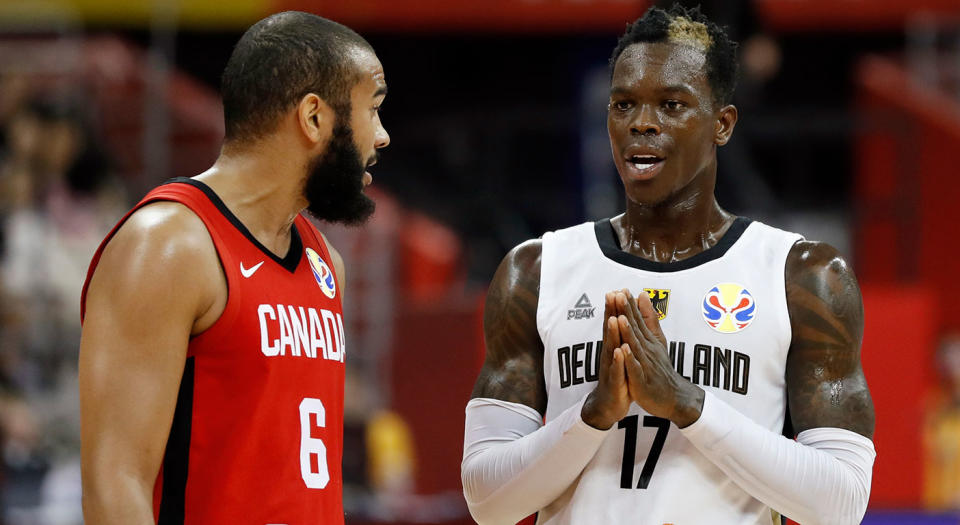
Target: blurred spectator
{"points": [[59, 209], [14, 89], [24, 467], [942, 432], [58, 200]]}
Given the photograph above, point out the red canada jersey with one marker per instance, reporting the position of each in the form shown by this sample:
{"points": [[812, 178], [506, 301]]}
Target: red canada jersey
{"points": [[257, 436]]}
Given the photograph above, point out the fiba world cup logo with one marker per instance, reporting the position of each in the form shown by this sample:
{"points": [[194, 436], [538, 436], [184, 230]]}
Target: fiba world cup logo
{"points": [[322, 273], [729, 308]]}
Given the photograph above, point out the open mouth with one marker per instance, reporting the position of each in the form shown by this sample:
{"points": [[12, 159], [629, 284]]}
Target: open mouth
{"points": [[367, 177], [644, 162]]}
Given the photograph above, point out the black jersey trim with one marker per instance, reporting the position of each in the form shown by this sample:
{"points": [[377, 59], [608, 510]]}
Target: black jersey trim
{"points": [[610, 246], [176, 459], [289, 262]]}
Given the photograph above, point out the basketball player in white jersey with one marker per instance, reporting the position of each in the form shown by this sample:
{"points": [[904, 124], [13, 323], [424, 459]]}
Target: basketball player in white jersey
{"points": [[671, 410]]}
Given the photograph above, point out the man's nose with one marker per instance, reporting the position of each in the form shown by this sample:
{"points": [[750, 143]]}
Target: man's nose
{"points": [[382, 138], [647, 122]]}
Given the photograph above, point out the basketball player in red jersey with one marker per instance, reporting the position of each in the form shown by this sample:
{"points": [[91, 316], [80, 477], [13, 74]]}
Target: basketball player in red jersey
{"points": [[211, 363]]}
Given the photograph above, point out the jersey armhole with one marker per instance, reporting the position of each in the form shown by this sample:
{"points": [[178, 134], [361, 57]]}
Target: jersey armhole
{"points": [[546, 243], [95, 260], [542, 301], [780, 285], [94, 263]]}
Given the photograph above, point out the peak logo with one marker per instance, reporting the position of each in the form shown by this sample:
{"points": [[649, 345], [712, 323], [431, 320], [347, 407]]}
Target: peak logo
{"points": [[582, 309], [728, 308]]}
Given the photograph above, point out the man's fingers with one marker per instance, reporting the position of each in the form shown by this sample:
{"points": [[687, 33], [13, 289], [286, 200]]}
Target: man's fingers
{"points": [[636, 315], [611, 333], [611, 340], [650, 316], [613, 328], [633, 369], [628, 336], [609, 305], [627, 307], [632, 344], [617, 372]]}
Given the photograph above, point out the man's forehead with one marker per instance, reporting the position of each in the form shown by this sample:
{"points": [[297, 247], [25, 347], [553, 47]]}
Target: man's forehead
{"points": [[663, 59], [367, 64]]}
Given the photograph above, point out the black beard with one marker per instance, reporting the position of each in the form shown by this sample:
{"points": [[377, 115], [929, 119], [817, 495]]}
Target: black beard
{"points": [[334, 188]]}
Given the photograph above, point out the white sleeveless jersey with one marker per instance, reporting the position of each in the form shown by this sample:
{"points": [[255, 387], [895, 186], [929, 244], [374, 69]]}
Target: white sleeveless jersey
{"points": [[724, 313]]}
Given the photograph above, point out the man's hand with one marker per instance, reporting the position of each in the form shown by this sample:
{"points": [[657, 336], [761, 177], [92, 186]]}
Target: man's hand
{"points": [[609, 402], [651, 379]]}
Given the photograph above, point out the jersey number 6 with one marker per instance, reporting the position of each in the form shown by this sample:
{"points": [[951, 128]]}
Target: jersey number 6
{"points": [[313, 453], [629, 424]]}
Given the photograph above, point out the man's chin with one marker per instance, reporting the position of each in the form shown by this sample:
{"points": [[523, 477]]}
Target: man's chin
{"points": [[355, 213]]}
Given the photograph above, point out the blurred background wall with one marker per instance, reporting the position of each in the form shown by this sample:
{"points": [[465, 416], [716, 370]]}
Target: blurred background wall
{"points": [[849, 133]]}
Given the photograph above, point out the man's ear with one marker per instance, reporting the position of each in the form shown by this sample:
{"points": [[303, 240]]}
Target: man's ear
{"points": [[726, 121], [316, 118]]}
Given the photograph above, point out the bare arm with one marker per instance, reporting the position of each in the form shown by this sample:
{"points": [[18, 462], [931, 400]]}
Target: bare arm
{"points": [[513, 464], [825, 382], [513, 369], [158, 281]]}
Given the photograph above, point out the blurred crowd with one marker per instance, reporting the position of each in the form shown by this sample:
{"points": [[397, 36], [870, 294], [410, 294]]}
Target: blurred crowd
{"points": [[61, 192], [58, 198]]}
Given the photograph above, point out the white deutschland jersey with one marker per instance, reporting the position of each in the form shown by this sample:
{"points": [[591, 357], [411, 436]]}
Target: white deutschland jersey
{"points": [[724, 313]]}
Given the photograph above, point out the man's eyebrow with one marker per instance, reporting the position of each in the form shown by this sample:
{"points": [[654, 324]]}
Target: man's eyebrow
{"points": [[679, 87]]}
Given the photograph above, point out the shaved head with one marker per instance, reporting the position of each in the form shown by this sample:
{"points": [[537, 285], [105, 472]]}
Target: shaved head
{"points": [[278, 61]]}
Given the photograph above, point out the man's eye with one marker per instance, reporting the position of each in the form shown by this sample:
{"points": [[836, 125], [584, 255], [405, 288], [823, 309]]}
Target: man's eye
{"points": [[621, 105], [674, 105]]}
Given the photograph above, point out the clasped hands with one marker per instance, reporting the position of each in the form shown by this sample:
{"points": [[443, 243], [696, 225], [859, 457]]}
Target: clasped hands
{"points": [[635, 367]]}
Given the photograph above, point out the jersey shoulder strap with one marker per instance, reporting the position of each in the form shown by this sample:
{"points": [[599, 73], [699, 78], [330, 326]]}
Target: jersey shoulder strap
{"points": [[181, 189]]}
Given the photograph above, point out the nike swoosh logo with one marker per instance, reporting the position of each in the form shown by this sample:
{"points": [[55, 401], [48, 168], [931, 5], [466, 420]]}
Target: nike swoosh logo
{"points": [[247, 272]]}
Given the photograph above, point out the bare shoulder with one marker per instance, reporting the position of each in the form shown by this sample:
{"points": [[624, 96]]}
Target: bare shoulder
{"points": [[821, 287], [163, 250], [825, 380], [164, 223], [513, 369], [337, 260]]}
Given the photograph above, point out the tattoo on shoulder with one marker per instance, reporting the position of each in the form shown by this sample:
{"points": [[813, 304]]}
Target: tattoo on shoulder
{"points": [[825, 381], [824, 300], [513, 369]]}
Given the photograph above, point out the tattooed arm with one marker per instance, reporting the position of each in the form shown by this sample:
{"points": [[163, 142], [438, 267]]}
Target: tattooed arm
{"points": [[513, 369], [513, 464], [824, 476], [825, 382]]}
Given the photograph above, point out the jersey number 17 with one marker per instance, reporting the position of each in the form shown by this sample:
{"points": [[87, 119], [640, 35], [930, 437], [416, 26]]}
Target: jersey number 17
{"points": [[630, 424]]}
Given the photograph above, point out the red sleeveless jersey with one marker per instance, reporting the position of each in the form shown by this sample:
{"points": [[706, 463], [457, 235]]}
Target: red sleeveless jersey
{"points": [[257, 435]]}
